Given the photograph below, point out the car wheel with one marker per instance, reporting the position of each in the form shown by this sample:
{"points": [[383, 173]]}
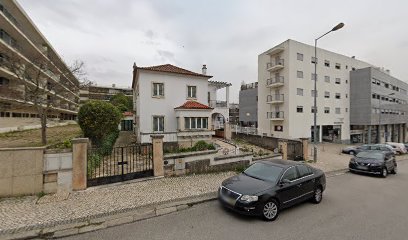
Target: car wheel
{"points": [[270, 210], [384, 173], [395, 170], [352, 153], [317, 195]]}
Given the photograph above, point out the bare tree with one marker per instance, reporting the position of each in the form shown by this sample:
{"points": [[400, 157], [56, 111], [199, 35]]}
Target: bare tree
{"points": [[34, 86]]}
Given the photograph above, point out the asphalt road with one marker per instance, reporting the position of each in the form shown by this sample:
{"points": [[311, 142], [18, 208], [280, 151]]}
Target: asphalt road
{"points": [[353, 207]]}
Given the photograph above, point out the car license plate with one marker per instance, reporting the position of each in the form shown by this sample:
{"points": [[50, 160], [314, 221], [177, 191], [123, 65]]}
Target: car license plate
{"points": [[362, 167], [229, 200]]}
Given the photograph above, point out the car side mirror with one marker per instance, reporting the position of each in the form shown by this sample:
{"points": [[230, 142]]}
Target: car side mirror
{"points": [[285, 181]]}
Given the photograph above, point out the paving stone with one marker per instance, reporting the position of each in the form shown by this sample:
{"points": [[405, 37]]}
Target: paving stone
{"points": [[119, 221], [66, 232], [163, 211], [182, 207], [91, 228]]}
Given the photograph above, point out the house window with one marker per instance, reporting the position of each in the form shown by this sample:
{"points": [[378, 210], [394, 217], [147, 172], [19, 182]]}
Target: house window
{"points": [[158, 124], [346, 109], [346, 81], [386, 85], [327, 79], [299, 91], [338, 81], [4, 81], [326, 110], [312, 110], [337, 110], [158, 89], [338, 66], [338, 96], [300, 56], [326, 63], [314, 60], [314, 76], [278, 128], [299, 109], [299, 74], [192, 91], [326, 94], [313, 93], [195, 123]]}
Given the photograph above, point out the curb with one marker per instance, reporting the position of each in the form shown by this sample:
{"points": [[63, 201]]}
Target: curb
{"points": [[93, 223]]}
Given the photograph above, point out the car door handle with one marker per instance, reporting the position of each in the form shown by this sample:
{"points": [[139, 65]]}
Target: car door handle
{"points": [[300, 184]]}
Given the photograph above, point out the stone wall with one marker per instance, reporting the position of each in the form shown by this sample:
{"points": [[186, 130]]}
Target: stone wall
{"points": [[57, 171], [21, 171], [263, 141]]}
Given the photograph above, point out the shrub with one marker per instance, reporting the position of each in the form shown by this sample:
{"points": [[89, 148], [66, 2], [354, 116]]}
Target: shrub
{"points": [[98, 119], [122, 102]]}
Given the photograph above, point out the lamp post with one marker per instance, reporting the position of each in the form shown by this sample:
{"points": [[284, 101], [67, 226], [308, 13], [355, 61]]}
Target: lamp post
{"points": [[337, 27], [379, 117]]}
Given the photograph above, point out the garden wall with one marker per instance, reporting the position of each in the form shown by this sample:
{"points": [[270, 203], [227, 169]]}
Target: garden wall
{"points": [[269, 143]]}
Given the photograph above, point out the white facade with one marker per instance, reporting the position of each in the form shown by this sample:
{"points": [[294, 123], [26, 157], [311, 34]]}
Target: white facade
{"points": [[285, 75]]}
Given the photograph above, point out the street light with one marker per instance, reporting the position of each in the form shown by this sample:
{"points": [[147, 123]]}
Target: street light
{"points": [[379, 118], [337, 27]]}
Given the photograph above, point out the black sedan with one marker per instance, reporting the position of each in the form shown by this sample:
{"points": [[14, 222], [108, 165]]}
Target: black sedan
{"points": [[268, 186], [374, 162]]}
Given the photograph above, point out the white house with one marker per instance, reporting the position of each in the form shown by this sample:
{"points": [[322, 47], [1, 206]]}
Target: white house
{"points": [[178, 103]]}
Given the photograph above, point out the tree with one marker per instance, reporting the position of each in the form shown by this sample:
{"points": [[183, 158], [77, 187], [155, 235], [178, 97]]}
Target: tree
{"points": [[41, 82], [122, 102], [98, 119]]}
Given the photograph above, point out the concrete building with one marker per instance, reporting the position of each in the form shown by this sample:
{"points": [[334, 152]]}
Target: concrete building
{"points": [[95, 92], [378, 104], [22, 42], [180, 104], [248, 105], [234, 113], [285, 92]]}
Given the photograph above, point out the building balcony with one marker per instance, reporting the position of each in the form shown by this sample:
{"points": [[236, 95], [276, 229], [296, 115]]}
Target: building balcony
{"points": [[275, 82], [275, 65], [217, 104], [275, 116], [275, 99], [275, 50]]}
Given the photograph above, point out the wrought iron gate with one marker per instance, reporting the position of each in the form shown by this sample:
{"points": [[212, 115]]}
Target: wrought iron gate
{"points": [[295, 150], [119, 164]]}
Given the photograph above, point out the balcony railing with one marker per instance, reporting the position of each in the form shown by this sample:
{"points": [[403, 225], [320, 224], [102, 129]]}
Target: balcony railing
{"points": [[275, 98], [275, 80], [218, 104], [275, 115], [11, 93], [275, 64]]}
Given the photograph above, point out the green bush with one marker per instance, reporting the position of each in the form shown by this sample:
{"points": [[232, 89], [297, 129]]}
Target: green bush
{"points": [[108, 142], [98, 119], [200, 146], [122, 102]]}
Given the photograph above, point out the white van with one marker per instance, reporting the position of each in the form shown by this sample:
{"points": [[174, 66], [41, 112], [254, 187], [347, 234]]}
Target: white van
{"points": [[399, 147]]}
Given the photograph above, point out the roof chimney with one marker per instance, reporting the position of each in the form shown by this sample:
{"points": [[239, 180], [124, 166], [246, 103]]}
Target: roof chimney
{"points": [[113, 85], [353, 56], [204, 69]]}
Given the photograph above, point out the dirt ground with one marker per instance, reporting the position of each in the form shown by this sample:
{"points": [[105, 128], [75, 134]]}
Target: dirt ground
{"points": [[32, 138]]}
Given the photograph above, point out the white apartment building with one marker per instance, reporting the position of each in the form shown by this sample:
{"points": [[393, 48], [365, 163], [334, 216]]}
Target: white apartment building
{"points": [[286, 90], [177, 103]]}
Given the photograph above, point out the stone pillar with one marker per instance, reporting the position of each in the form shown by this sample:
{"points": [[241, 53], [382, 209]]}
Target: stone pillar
{"points": [[401, 133], [227, 96], [382, 134], [369, 134], [158, 161], [227, 131], [283, 146], [305, 144], [79, 163]]}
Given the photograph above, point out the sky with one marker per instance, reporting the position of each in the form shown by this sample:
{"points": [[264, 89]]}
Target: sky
{"points": [[226, 35]]}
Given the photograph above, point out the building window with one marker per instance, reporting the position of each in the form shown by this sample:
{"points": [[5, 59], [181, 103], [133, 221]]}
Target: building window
{"points": [[313, 93], [338, 66], [4, 81], [338, 81], [314, 76], [299, 91], [326, 63], [300, 56], [314, 60], [278, 128], [326, 94], [346, 95], [338, 96], [158, 124], [158, 89], [327, 79], [337, 110], [196, 123], [299, 74], [346, 81], [386, 85], [353, 69], [312, 110], [299, 109], [191, 91], [346, 109], [326, 110]]}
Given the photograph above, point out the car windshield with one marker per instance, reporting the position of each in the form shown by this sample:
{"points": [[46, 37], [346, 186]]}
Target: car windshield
{"points": [[373, 155], [264, 171]]}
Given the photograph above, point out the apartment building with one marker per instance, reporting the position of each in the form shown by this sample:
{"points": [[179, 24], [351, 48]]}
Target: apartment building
{"points": [[379, 110], [286, 89], [248, 105], [104, 93], [180, 104], [21, 42], [234, 113]]}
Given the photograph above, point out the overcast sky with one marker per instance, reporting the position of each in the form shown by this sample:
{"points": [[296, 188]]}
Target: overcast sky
{"points": [[228, 36]]}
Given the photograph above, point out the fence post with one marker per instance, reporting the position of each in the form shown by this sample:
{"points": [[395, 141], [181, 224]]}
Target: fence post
{"points": [[79, 163], [158, 163], [305, 145], [283, 146]]}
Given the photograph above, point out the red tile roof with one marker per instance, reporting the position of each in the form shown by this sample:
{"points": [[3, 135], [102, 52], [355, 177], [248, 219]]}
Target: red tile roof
{"points": [[173, 69], [193, 105]]}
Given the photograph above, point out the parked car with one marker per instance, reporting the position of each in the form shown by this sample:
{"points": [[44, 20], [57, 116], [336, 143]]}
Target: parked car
{"points": [[353, 150], [399, 147], [374, 162], [268, 186]]}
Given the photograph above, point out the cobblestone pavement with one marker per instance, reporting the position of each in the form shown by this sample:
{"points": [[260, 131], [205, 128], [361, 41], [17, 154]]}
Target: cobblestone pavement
{"points": [[27, 212]]}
